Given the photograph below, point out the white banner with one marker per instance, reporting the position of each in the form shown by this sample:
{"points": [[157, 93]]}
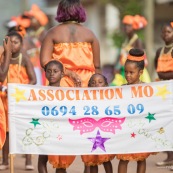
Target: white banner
{"points": [[78, 121]]}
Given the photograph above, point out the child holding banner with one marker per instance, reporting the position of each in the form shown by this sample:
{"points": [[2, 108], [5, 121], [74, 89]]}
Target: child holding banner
{"points": [[134, 67], [98, 80], [164, 68], [20, 71], [54, 73]]}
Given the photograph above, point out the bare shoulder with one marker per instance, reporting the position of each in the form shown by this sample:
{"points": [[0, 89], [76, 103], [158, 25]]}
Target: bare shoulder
{"points": [[25, 59]]}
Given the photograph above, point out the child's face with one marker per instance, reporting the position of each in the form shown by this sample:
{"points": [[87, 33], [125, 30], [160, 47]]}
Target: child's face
{"points": [[53, 74], [167, 34], [128, 29], [132, 73], [98, 81], [16, 44]]}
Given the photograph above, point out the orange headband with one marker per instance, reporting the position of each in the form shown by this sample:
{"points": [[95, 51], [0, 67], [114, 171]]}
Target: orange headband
{"points": [[135, 58]]}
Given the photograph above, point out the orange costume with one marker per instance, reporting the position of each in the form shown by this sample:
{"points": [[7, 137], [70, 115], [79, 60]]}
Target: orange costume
{"points": [[165, 61], [2, 113], [34, 38], [78, 58], [2, 125], [16, 74], [93, 160]]}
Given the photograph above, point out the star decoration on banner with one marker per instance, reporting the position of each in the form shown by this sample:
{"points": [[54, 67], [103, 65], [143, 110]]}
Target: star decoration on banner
{"points": [[150, 117], [98, 141], [19, 95], [161, 130], [133, 135], [162, 91], [35, 122]]}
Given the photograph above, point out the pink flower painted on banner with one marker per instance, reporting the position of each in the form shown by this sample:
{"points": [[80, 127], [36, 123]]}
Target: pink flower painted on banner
{"points": [[86, 125]]}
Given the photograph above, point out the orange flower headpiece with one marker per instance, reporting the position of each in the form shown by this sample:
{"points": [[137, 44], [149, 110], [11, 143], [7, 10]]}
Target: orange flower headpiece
{"points": [[24, 22], [135, 58], [21, 30], [38, 14], [137, 21], [171, 23]]}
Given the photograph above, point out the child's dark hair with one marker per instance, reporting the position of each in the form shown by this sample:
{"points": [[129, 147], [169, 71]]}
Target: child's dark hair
{"points": [[137, 53], [90, 81], [56, 63], [14, 33]]}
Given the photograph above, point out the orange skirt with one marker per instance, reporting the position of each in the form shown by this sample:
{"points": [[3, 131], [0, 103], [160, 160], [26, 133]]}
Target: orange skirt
{"points": [[134, 156], [61, 161], [92, 160]]}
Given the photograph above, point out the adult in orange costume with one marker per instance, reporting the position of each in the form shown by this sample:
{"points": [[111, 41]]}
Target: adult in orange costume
{"points": [[20, 71], [34, 37], [5, 55], [77, 48], [131, 25], [164, 68]]}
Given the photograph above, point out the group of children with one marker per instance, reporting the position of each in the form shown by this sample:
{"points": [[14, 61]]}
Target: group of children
{"points": [[16, 67]]}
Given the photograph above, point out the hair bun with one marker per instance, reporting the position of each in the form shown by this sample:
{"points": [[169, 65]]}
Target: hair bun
{"points": [[136, 52]]}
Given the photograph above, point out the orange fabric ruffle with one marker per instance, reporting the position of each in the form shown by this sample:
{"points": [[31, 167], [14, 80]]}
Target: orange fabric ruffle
{"points": [[77, 57], [92, 160], [134, 156], [61, 161]]}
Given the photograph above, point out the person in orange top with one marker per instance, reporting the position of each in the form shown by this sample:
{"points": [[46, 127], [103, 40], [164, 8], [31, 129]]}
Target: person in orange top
{"points": [[164, 68], [74, 45], [34, 38], [5, 55], [131, 25], [20, 71]]}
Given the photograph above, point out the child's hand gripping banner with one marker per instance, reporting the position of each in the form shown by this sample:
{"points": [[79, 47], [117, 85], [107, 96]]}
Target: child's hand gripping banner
{"points": [[78, 121]]}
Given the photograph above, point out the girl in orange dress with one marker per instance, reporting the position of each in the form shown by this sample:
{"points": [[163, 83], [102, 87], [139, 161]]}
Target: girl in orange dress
{"points": [[98, 80], [54, 73], [134, 67], [164, 68], [5, 55], [20, 71], [75, 46]]}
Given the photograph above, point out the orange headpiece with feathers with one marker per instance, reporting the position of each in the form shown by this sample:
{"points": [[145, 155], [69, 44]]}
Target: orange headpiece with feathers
{"points": [[25, 22], [38, 14], [137, 21]]}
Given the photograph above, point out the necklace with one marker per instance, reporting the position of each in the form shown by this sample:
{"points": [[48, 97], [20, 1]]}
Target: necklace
{"points": [[13, 59], [70, 21], [169, 45]]}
